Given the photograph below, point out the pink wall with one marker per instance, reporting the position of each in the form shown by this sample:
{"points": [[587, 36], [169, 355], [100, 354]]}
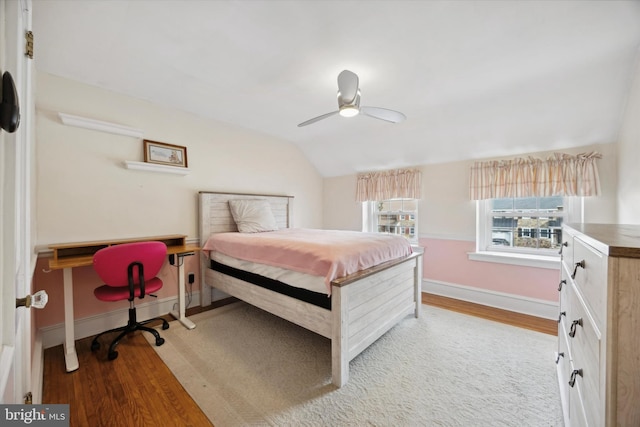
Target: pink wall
{"points": [[85, 280], [447, 261]]}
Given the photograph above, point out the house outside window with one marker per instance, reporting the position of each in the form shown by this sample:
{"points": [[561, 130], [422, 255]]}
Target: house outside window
{"points": [[529, 225], [392, 216]]}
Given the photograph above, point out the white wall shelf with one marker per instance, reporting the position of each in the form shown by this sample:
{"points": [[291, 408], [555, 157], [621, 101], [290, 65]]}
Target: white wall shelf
{"points": [[152, 167], [83, 122]]}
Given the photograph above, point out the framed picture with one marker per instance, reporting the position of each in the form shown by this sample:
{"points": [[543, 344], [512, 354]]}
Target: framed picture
{"points": [[165, 154]]}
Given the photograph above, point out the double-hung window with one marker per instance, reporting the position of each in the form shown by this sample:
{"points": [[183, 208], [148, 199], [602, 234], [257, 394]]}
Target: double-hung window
{"points": [[528, 228], [523, 231], [390, 201], [522, 225], [392, 216]]}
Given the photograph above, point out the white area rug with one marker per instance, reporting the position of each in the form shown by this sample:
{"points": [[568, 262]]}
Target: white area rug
{"points": [[244, 366]]}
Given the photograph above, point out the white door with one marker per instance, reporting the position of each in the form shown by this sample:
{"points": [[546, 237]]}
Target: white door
{"points": [[16, 254]]}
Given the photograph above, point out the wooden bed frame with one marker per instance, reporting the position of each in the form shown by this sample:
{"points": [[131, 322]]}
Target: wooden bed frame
{"points": [[364, 305]]}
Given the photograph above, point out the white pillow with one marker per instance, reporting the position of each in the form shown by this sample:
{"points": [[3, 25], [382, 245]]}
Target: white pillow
{"points": [[252, 215]]}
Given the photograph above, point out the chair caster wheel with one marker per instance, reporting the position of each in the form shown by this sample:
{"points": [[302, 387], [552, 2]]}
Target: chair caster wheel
{"points": [[159, 341], [95, 346], [113, 355], [165, 326]]}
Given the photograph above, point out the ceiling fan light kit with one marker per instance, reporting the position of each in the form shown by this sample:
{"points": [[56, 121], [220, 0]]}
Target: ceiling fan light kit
{"points": [[349, 103], [349, 111]]}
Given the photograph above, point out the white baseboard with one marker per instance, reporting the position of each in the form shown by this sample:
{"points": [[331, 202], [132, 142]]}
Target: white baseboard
{"points": [[519, 304], [54, 335], [37, 369]]}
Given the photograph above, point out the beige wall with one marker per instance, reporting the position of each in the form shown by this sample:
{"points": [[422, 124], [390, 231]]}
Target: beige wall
{"points": [[628, 155], [85, 193], [340, 211]]}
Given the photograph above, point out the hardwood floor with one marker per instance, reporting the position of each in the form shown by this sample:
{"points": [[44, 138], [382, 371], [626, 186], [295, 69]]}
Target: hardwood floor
{"points": [[497, 315], [137, 389]]}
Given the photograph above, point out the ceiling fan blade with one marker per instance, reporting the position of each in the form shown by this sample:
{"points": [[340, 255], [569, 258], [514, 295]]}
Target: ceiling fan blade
{"points": [[347, 86], [383, 114], [315, 119]]}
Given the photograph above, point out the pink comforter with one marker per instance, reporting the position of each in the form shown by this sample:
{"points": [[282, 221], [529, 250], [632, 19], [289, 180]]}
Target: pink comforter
{"points": [[327, 253]]}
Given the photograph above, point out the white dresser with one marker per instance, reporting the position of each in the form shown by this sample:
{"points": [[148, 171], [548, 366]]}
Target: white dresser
{"points": [[599, 325]]}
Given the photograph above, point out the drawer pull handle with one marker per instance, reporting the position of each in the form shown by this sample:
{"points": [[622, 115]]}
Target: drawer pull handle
{"points": [[574, 324], [575, 270], [574, 374], [564, 245], [558, 356], [562, 282], [562, 313]]}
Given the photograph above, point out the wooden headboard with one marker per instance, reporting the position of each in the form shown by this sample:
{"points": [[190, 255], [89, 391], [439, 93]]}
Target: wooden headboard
{"points": [[215, 216]]}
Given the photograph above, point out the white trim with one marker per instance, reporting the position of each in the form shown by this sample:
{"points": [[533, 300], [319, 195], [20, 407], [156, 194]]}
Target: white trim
{"points": [[516, 303], [448, 236], [54, 335], [6, 359], [152, 167], [524, 260], [37, 369], [482, 225], [92, 124]]}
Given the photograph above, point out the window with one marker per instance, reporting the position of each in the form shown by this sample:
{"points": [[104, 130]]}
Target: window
{"points": [[529, 225], [520, 230], [394, 216], [525, 224]]}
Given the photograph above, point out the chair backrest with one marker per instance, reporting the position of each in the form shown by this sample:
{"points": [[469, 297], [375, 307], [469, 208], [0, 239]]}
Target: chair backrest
{"points": [[111, 263]]}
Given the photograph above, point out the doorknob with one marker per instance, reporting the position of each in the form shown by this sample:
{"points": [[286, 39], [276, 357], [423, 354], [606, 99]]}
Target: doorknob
{"points": [[37, 300]]}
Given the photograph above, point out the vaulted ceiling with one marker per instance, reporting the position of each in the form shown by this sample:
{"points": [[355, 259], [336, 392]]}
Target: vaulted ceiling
{"points": [[475, 79]]}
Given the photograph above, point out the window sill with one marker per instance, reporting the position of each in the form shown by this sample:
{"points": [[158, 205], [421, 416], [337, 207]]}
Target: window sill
{"points": [[524, 260]]}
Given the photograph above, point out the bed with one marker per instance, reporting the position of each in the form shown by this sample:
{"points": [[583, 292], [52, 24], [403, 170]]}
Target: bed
{"points": [[362, 307]]}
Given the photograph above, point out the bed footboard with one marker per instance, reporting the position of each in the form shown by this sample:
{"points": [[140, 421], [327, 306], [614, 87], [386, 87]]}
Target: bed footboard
{"points": [[365, 306]]}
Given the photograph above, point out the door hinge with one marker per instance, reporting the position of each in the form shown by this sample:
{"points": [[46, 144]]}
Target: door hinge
{"points": [[28, 399], [29, 47]]}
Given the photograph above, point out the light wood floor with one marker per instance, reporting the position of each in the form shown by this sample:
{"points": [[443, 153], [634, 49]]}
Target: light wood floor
{"points": [[137, 389], [503, 316]]}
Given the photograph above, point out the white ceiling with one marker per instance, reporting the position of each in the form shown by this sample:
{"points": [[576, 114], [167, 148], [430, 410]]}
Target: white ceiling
{"points": [[475, 79]]}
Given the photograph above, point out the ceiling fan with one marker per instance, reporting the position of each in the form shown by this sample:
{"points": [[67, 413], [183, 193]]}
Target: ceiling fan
{"points": [[349, 103]]}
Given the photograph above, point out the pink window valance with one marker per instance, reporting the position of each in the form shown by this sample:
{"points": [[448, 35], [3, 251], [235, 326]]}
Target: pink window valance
{"points": [[391, 184], [559, 175]]}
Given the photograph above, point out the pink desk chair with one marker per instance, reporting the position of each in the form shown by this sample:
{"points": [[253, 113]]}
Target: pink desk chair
{"points": [[129, 270]]}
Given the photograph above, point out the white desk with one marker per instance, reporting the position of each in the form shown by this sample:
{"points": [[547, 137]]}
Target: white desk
{"points": [[66, 256], [180, 314]]}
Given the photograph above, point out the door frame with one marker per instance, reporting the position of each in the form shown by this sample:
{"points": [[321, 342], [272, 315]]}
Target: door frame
{"points": [[17, 255]]}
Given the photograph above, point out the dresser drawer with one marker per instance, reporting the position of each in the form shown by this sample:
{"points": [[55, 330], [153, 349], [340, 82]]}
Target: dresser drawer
{"points": [[590, 268], [563, 288], [577, 414], [585, 347], [563, 361], [567, 248]]}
